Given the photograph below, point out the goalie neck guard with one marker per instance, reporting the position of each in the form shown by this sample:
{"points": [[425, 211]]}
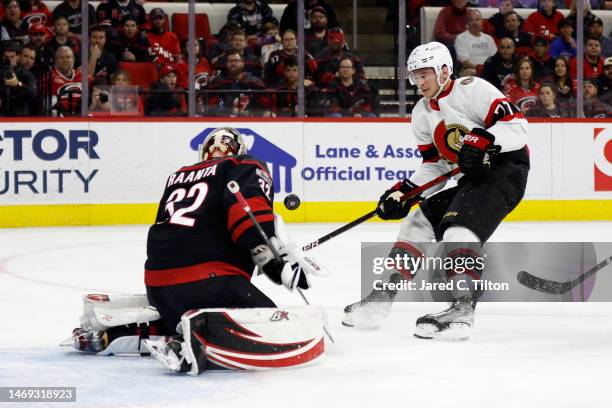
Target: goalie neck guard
{"points": [[222, 142]]}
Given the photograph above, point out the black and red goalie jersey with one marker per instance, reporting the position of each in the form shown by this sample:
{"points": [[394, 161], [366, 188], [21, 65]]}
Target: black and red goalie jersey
{"points": [[201, 231]]}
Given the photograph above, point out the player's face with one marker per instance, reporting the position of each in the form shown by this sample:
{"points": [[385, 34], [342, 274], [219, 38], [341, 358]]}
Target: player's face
{"points": [[289, 41], [474, 22], [61, 26], [27, 58], [238, 42], [525, 71], [547, 5], [560, 68], [590, 91], [547, 96], [97, 38], [593, 48], [426, 81], [130, 28]]}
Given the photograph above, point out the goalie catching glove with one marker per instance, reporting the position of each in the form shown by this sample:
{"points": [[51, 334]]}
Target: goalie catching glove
{"points": [[295, 266], [391, 206]]}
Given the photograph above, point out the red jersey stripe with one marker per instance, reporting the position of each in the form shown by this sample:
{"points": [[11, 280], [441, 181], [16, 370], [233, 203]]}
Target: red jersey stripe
{"points": [[246, 224], [236, 212], [176, 276]]}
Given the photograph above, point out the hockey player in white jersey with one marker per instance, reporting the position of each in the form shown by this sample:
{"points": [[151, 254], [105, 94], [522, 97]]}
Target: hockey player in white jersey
{"points": [[463, 122]]}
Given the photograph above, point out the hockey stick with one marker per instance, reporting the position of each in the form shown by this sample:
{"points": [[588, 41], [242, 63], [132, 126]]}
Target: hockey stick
{"points": [[558, 288], [372, 213], [234, 188]]}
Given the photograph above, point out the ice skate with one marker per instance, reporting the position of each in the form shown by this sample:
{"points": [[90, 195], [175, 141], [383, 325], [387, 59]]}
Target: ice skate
{"points": [[169, 351], [369, 312], [454, 323]]}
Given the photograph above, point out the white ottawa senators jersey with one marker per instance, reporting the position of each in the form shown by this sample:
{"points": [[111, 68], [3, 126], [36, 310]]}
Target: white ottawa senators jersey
{"points": [[439, 125]]}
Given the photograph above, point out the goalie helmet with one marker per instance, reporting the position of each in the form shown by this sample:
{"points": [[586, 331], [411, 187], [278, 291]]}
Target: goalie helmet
{"points": [[431, 55], [222, 142]]}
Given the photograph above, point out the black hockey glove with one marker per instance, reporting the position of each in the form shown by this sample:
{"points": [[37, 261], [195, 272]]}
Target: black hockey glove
{"points": [[390, 206], [476, 152]]}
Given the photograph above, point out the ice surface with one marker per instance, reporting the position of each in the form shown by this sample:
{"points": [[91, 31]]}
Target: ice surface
{"points": [[520, 355]]}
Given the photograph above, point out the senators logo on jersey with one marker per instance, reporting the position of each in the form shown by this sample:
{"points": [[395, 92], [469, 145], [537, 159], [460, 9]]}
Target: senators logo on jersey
{"points": [[448, 139]]}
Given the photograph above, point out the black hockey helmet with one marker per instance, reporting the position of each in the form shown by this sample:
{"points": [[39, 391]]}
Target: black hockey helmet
{"points": [[222, 142]]}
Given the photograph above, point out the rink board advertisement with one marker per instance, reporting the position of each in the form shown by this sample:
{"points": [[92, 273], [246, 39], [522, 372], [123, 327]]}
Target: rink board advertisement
{"points": [[110, 172]]}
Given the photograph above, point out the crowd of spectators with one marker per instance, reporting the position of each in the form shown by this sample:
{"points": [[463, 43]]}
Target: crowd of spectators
{"points": [[533, 60], [249, 68]]}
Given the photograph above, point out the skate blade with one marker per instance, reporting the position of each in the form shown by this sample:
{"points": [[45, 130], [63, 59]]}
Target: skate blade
{"points": [[170, 361], [454, 332], [364, 322]]}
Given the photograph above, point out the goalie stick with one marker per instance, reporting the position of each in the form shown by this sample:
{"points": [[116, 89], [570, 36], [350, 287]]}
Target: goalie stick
{"points": [[234, 188], [444, 177], [554, 287]]}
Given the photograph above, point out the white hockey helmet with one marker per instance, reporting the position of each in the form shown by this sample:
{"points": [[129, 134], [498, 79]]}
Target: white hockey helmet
{"points": [[222, 142], [431, 55]]}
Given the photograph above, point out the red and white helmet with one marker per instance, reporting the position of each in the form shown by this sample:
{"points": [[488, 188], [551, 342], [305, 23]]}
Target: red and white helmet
{"points": [[222, 142], [431, 55]]}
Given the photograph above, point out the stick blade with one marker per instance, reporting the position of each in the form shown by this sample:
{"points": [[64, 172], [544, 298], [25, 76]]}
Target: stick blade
{"points": [[542, 285]]}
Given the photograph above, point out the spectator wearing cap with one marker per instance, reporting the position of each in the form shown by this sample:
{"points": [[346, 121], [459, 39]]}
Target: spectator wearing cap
{"points": [[315, 38], [451, 22], [604, 82], [12, 26], [17, 85], [165, 97], [565, 44], [71, 9], [289, 17], [35, 11], [61, 36], [512, 25], [499, 66], [252, 15], [113, 12], [349, 97], [238, 43], [102, 63], [164, 47], [593, 107], [275, 67], [595, 29], [593, 61], [543, 63], [233, 78], [472, 46], [130, 44], [328, 60], [545, 21], [270, 42], [38, 38]]}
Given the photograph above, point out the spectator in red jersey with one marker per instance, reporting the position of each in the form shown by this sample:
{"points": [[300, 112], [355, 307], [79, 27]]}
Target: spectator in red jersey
{"points": [[35, 11], [12, 26], [499, 66], [451, 22], [130, 44], [547, 105], [71, 9], [593, 107], [593, 61], [349, 98], [112, 13], [27, 57], [102, 63], [202, 68], [165, 97], [164, 45], [238, 42], [315, 38], [543, 63], [545, 21], [66, 83], [562, 80], [595, 29], [17, 85], [495, 24], [233, 78], [512, 25], [522, 89], [276, 64], [252, 15], [289, 18], [328, 60], [270, 42], [62, 36]]}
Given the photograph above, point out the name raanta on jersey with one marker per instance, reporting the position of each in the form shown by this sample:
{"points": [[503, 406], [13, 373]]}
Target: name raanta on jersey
{"points": [[191, 176]]}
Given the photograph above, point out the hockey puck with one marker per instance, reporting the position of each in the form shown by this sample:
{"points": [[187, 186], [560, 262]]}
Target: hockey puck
{"points": [[292, 202]]}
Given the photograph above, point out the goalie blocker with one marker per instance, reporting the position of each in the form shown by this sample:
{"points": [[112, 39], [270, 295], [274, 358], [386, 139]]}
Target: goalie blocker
{"points": [[243, 339]]}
